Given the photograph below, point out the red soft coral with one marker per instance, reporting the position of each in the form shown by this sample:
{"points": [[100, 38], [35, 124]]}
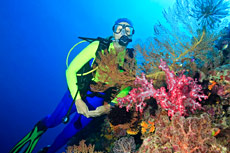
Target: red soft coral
{"points": [[181, 95]]}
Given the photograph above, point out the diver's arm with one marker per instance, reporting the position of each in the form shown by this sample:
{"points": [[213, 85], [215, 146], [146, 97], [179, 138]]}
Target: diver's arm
{"points": [[78, 62], [105, 109]]}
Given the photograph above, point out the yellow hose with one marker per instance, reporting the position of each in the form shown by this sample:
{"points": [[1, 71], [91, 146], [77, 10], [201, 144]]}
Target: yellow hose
{"points": [[67, 58], [88, 72]]}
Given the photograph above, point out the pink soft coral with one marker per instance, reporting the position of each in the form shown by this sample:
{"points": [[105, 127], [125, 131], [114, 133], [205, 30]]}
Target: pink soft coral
{"points": [[181, 95]]}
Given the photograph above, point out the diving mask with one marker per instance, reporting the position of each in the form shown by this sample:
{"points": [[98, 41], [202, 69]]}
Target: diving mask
{"points": [[124, 29]]}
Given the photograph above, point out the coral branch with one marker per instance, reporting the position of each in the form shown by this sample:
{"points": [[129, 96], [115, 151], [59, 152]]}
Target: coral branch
{"points": [[192, 48]]}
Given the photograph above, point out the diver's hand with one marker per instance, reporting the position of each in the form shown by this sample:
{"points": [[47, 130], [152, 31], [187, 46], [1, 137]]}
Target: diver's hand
{"points": [[105, 109], [82, 108]]}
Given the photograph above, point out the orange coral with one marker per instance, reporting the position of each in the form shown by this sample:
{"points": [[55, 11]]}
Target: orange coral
{"points": [[215, 133], [213, 83], [147, 127], [131, 131]]}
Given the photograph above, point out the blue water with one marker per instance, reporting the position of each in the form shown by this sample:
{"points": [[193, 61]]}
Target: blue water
{"points": [[35, 39]]}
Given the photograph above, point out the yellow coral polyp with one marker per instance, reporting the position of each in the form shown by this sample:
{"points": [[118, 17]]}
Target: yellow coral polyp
{"points": [[152, 129], [152, 123], [144, 124], [113, 128], [132, 131], [143, 130], [213, 83], [108, 137]]}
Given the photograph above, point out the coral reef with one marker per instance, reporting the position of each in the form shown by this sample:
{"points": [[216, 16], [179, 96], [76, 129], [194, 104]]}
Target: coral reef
{"points": [[183, 42], [181, 107]]}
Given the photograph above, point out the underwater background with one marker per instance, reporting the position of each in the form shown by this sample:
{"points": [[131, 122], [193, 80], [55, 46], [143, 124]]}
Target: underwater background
{"points": [[35, 39]]}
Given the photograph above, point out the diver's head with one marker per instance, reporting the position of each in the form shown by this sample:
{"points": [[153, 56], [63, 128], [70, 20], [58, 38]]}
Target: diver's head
{"points": [[123, 31]]}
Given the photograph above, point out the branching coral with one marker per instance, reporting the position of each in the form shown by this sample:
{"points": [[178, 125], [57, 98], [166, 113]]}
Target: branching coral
{"points": [[191, 134], [179, 54], [124, 144], [188, 135], [82, 148], [112, 72], [181, 96], [181, 42]]}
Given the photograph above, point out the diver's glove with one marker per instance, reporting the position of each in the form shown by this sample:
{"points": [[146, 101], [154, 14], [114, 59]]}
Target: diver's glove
{"points": [[104, 109], [83, 109]]}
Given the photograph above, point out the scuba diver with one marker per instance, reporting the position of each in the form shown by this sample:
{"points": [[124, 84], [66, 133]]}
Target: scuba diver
{"points": [[88, 104]]}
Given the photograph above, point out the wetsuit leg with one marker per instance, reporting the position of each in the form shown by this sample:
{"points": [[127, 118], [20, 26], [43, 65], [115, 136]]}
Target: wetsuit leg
{"points": [[77, 123], [60, 111], [28, 142]]}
